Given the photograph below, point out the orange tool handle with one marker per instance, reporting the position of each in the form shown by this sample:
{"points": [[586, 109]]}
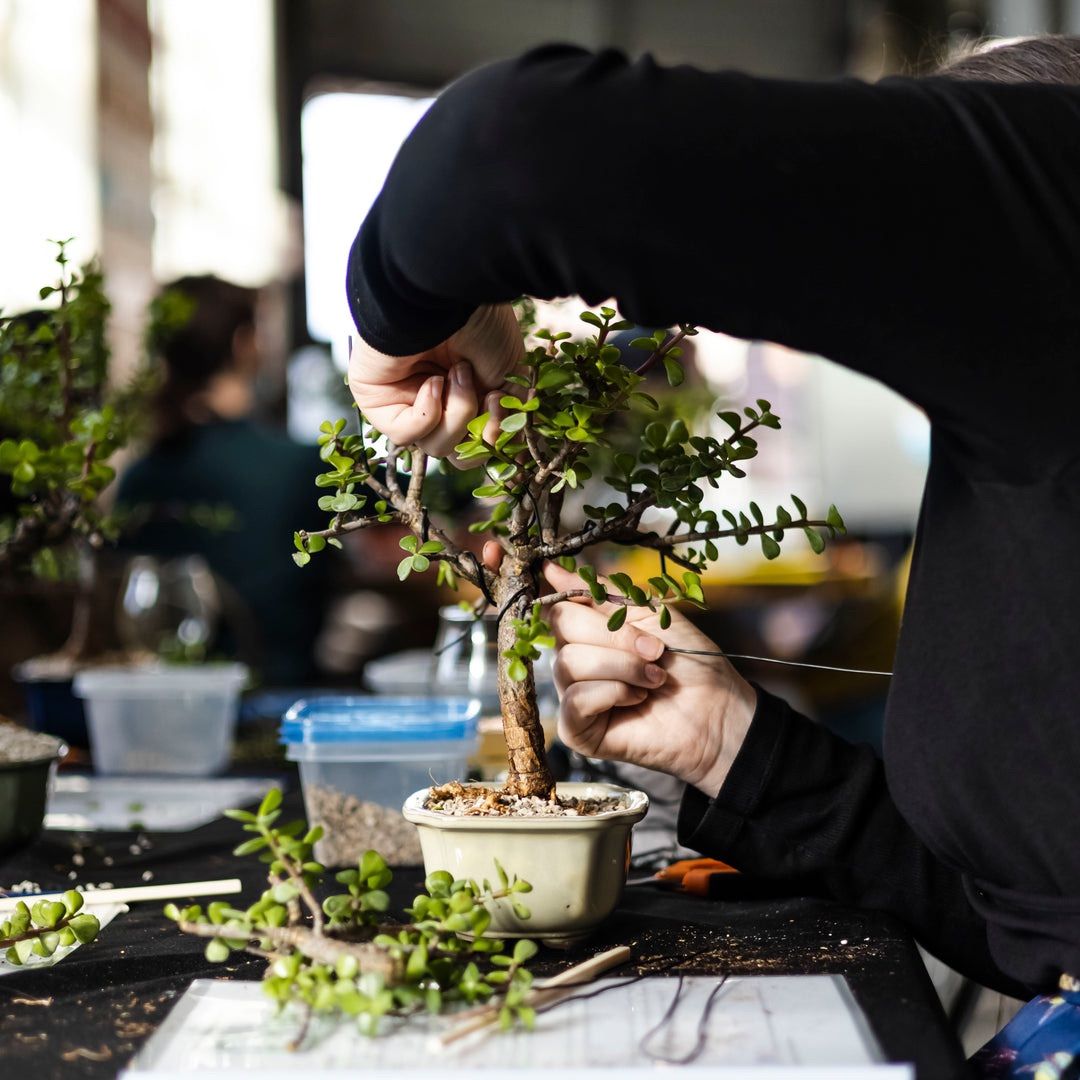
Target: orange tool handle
{"points": [[696, 882], [679, 871]]}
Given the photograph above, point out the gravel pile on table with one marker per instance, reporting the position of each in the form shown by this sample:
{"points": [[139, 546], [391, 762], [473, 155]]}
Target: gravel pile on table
{"points": [[460, 800], [352, 826], [18, 744]]}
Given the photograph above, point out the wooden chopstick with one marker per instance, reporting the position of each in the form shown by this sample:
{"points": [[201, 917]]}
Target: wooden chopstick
{"points": [[542, 992], [133, 895]]}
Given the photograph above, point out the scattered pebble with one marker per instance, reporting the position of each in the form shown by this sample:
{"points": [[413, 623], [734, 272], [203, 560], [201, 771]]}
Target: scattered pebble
{"points": [[78, 859], [148, 875], [22, 887]]}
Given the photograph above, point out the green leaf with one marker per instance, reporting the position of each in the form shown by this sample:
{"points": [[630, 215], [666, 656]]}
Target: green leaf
{"points": [[476, 427], [592, 319], [249, 847], [665, 617], [514, 422], [524, 950], [799, 505], [301, 558], [617, 618], [271, 802], [553, 377], [769, 547], [815, 539], [674, 370], [835, 520], [217, 952], [85, 927], [516, 670], [404, 568], [408, 543], [420, 563]]}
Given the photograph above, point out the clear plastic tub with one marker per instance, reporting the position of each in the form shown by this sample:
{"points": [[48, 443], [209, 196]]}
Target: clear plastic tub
{"points": [[169, 720], [361, 757]]}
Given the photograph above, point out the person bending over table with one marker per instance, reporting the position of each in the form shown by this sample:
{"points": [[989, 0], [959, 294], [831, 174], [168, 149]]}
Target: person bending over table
{"points": [[925, 232]]}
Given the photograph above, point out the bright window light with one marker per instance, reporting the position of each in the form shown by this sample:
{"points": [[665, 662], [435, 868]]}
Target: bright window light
{"points": [[48, 126], [349, 141]]}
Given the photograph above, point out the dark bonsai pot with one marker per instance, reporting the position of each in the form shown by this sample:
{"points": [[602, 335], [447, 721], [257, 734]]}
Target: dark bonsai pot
{"points": [[24, 790], [52, 706]]}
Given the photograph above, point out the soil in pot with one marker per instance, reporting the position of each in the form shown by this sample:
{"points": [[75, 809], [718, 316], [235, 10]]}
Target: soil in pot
{"points": [[469, 800]]}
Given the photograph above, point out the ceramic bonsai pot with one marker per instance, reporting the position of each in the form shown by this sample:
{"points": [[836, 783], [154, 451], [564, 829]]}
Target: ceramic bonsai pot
{"points": [[576, 865]]}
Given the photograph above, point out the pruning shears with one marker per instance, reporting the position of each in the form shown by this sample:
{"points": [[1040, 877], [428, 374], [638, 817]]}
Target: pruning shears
{"points": [[693, 876]]}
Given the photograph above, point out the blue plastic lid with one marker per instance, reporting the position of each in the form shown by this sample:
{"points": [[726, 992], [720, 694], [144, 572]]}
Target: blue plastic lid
{"points": [[379, 719]]}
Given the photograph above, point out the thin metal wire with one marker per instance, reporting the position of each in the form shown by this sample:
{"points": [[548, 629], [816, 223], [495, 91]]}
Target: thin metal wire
{"points": [[702, 1027], [772, 660]]}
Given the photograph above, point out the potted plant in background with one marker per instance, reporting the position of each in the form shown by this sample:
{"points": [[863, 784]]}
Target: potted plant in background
{"points": [[60, 425], [570, 840]]}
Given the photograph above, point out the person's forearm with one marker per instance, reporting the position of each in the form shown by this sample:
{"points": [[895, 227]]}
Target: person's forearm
{"points": [[842, 218], [801, 803]]}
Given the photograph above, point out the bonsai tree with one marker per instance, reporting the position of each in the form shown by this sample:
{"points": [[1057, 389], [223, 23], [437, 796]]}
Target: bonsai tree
{"points": [[571, 392], [60, 423]]}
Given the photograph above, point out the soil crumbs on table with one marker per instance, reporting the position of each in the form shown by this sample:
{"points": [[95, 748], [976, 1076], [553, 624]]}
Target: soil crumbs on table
{"points": [[462, 800]]}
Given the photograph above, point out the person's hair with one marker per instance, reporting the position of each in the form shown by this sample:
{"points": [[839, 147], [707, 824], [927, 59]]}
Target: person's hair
{"points": [[1052, 58], [196, 322]]}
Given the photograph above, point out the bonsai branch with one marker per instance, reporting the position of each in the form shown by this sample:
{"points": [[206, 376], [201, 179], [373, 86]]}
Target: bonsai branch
{"points": [[310, 943]]}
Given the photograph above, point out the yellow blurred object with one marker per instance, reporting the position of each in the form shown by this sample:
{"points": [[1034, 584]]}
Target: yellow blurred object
{"points": [[790, 569]]}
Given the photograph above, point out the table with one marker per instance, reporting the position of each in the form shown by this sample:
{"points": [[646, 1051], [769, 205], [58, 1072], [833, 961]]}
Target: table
{"points": [[107, 998]]}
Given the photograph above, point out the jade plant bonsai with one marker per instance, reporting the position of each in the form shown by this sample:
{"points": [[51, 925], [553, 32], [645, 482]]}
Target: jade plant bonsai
{"points": [[568, 394], [60, 424], [345, 955]]}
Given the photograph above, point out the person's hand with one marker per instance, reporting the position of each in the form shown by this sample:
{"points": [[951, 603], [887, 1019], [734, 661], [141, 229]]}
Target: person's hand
{"points": [[623, 698], [429, 398]]}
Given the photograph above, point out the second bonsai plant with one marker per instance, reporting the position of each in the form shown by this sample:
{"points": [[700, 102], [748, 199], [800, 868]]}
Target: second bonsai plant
{"points": [[571, 391]]}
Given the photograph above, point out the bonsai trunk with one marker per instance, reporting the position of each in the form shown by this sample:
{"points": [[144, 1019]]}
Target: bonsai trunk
{"points": [[77, 646], [528, 769]]}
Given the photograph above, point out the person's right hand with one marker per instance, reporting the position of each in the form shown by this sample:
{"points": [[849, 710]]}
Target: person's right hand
{"points": [[624, 698], [429, 398]]}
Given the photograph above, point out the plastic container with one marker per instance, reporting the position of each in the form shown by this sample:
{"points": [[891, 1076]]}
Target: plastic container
{"points": [[361, 757], [171, 720]]}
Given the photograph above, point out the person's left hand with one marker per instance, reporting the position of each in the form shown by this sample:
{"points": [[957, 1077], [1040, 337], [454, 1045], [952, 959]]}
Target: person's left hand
{"points": [[429, 398]]}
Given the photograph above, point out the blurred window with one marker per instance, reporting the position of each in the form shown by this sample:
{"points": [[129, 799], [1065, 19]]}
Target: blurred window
{"points": [[348, 142], [217, 207], [49, 180]]}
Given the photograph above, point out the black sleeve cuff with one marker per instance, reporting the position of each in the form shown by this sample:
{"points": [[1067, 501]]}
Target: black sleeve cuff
{"points": [[391, 315], [712, 826]]}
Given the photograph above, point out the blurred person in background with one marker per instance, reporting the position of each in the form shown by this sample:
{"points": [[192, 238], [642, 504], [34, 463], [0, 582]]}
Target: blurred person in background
{"points": [[925, 232], [216, 483]]}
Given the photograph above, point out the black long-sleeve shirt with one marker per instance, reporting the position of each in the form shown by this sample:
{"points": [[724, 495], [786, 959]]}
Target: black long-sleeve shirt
{"points": [[925, 232]]}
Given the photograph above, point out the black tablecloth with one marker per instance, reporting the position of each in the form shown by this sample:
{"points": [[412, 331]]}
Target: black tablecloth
{"points": [[87, 1016]]}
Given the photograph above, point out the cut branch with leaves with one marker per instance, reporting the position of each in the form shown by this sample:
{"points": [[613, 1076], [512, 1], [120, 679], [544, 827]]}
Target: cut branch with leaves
{"points": [[555, 432], [345, 955]]}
